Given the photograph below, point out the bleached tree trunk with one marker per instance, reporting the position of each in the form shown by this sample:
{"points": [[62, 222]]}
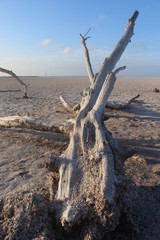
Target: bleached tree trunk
{"points": [[89, 177], [17, 78]]}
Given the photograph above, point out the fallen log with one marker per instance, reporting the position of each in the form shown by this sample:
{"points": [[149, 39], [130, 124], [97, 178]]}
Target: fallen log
{"points": [[121, 106], [18, 90], [28, 123]]}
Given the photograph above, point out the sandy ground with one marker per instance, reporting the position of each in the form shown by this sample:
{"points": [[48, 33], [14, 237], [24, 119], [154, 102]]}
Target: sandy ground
{"points": [[137, 128]]}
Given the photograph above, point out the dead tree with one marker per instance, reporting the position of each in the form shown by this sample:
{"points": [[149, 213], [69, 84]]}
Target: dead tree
{"points": [[88, 189], [18, 79]]}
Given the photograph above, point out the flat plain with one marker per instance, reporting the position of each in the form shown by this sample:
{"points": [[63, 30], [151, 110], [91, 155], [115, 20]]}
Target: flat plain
{"points": [[136, 130]]}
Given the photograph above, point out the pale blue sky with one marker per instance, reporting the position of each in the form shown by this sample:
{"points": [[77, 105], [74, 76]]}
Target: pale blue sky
{"points": [[38, 36]]}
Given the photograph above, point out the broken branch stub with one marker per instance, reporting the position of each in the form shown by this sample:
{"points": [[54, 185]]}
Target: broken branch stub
{"points": [[66, 105], [89, 179]]}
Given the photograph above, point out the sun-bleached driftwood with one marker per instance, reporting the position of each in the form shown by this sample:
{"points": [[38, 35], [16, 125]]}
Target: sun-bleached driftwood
{"points": [[86, 56], [88, 190], [66, 105], [120, 106], [73, 110], [111, 105], [27, 122], [16, 90], [17, 78]]}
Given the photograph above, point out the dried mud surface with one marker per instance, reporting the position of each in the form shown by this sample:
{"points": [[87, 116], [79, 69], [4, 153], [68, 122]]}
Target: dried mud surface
{"points": [[24, 183]]}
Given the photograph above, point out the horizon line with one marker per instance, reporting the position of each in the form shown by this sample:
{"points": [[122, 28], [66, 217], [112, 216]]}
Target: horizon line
{"points": [[120, 76]]}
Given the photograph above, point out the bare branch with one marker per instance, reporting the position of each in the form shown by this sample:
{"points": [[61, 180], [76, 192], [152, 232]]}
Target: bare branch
{"points": [[105, 92], [120, 106], [134, 16], [95, 76], [16, 90], [110, 62], [86, 57], [87, 32], [66, 105], [119, 69], [17, 78]]}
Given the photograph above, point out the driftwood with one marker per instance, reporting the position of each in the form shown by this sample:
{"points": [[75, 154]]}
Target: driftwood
{"points": [[112, 105], [66, 105], [89, 185], [87, 58], [27, 122], [16, 90], [17, 78], [74, 110], [120, 106]]}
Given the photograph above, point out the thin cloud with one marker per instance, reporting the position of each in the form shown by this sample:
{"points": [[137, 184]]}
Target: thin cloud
{"points": [[46, 42], [102, 17], [66, 51], [140, 45]]}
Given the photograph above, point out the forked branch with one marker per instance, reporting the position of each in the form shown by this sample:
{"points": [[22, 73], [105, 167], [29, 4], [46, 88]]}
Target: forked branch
{"points": [[110, 62], [86, 57], [88, 174], [106, 90]]}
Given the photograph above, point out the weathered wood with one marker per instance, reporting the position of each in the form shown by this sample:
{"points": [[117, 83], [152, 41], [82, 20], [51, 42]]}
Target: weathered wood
{"points": [[16, 90], [27, 122], [120, 106], [86, 57], [106, 91], [76, 107], [66, 105], [89, 179], [17, 78], [110, 62]]}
